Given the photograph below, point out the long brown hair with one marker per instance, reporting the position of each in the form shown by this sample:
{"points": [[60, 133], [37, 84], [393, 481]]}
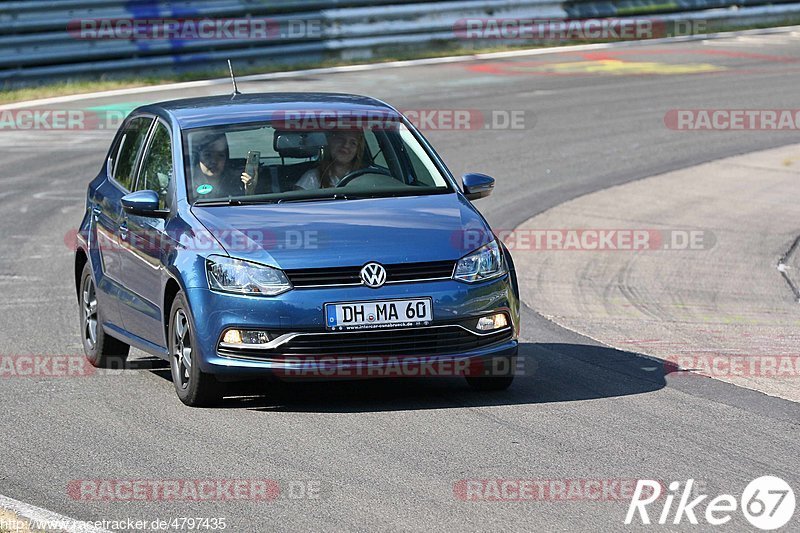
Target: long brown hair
{"points": [[326, 164]]}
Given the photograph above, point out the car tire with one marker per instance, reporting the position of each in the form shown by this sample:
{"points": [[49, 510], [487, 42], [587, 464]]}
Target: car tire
{"points": [[494, 383], [102, 350], [194, 387]]}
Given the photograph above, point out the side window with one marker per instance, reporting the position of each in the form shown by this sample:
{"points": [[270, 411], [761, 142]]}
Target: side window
{"points": [[375, 149], [156, 171], [421, 172], [425, 170], [130, 144]]}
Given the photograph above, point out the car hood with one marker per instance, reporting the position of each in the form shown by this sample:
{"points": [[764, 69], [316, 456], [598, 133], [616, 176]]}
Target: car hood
{"points": [[335, 233]]}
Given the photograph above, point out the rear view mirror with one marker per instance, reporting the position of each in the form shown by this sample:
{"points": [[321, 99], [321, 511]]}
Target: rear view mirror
{"points": [[477, 185], [144, 204], [299, 143]]}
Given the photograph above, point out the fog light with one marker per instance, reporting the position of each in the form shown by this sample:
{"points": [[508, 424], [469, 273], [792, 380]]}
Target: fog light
{"points": [[239, 336], [491, 322]]}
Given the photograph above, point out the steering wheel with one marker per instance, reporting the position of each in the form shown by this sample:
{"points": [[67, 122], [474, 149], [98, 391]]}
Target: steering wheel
{"points": [[350, 176]]}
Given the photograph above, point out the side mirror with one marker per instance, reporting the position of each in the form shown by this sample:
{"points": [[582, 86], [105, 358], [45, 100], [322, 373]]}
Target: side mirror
{"points": [[477, 185], [144, 204]]}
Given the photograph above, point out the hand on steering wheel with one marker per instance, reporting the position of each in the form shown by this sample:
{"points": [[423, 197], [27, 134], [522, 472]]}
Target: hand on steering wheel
{"points": [[372, 169]]}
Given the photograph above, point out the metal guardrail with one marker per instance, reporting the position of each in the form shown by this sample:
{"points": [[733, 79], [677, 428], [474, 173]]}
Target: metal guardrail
{"points": [[35, 43]]}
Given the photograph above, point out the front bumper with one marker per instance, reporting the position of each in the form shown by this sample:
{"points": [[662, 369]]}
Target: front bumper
{"points": [[301, 310]]}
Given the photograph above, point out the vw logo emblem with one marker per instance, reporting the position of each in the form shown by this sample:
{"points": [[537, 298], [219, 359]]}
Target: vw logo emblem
{"points": [[373, 275]]}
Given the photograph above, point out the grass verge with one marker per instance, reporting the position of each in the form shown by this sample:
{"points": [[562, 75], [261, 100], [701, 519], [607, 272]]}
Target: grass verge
{"points": [[11, 523]]}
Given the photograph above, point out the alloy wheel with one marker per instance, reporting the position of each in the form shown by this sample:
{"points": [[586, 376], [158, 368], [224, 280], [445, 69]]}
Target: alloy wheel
{"points": [[89, 303], [182, 351]]}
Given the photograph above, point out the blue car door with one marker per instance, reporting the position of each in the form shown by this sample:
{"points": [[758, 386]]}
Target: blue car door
{"points": [[107, 215], [144, 241]]}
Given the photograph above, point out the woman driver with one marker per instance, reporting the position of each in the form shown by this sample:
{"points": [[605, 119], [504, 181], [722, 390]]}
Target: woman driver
{"points": [[345, 154]]}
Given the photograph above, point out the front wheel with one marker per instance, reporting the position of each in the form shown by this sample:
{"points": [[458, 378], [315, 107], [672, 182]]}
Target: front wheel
{"points": [[194, 387], [101, 349]]}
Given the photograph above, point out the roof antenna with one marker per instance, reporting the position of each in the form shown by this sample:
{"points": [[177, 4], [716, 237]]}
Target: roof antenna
{"points": [[233, 80]]}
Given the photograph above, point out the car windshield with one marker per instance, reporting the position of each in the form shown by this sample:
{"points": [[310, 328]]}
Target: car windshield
{"points": [[276, 162]]}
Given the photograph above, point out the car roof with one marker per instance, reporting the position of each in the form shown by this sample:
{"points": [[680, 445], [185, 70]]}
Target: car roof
{"points": [[241, 108]]}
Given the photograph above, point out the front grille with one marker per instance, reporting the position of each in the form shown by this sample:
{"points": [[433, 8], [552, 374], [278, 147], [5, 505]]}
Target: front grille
{"points": [[435, 340], [398, 273]]}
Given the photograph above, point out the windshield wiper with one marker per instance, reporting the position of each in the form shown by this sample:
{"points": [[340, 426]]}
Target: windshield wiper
{"points": [[247, 201], [231, 201], [317, 198]]}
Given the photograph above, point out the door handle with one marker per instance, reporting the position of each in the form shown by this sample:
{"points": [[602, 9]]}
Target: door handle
{"points": [[96, 211], [123, 231]]}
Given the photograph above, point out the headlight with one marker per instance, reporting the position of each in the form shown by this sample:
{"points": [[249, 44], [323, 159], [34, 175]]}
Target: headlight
{"points": [[484, 263], [242, 277]]}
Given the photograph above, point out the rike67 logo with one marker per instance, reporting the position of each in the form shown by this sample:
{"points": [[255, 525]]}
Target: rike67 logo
{"points": [[767, 503]]}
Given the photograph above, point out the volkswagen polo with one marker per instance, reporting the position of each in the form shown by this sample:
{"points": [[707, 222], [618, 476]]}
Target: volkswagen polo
{"points": [[238, 237]]}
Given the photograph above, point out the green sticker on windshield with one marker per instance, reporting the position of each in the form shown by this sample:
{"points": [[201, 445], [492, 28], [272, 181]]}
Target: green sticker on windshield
{"points": [[205, 189]]}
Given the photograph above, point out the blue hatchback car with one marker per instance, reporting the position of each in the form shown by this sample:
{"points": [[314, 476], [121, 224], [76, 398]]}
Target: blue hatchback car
{"points": [[291, 234]]}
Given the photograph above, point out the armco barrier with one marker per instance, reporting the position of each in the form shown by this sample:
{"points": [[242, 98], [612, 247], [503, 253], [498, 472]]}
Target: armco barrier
{"points": [[35, 44]]}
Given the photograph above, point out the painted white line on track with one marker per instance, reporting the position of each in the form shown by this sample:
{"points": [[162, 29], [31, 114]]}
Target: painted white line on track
{"points": [[51, 195], [789, 30], [47, 520]]}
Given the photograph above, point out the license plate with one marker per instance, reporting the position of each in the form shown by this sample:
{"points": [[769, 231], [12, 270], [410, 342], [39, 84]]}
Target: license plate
{"points": [[379, 314]]}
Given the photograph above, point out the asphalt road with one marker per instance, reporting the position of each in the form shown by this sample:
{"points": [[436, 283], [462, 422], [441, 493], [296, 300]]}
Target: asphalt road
{"points": [[387, 455]]}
